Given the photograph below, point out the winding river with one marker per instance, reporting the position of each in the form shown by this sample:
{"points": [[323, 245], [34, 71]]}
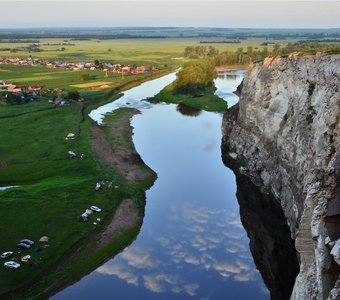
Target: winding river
{"points": [[192, 244]]}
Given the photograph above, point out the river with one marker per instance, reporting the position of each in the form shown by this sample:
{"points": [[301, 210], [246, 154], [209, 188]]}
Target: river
{"points": [[192, 244]]}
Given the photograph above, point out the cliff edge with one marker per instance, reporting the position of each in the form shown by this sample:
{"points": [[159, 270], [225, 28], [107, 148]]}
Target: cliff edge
{"points": [[284, 135]]}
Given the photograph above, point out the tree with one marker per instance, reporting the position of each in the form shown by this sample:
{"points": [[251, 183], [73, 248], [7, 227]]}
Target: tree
{"points": [[265, 52], [74, 95], [190, 52], [12, 98], [276, 49], [195, 76]]}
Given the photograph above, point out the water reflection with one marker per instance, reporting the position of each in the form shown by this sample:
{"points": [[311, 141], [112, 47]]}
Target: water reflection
{"points": [[270, 242], [132, 97], [227, 76], [205, 242], [187, 110], [192, 243], [226, 84], [2, 188]]}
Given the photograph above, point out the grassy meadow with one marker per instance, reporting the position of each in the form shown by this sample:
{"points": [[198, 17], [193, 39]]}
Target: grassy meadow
{"points": [[53, 188], [53, 191], [67, 79]]}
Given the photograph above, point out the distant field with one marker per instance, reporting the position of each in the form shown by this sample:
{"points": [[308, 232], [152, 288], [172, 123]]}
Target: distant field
{"points": [[64, 79], [164, 53], [149, 51], [30, 79], [92, 84], [161, 53]]}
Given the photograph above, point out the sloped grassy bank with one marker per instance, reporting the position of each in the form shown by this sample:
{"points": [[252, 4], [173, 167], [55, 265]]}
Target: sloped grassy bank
{"points": [[55, 189]]}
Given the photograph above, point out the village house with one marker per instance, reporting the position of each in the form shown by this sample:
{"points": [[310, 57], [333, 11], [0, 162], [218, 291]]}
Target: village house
{"points": [[33, 88], [13, 88], [126, 69]]}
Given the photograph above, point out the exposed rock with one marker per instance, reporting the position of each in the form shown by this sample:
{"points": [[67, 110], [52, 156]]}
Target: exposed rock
{"points": [[270, 242], [286, 128], [336, 252]]}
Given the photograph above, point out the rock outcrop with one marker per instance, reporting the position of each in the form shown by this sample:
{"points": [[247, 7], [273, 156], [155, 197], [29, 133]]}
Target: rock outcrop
{"points": [[269, 236], [284, 135]]}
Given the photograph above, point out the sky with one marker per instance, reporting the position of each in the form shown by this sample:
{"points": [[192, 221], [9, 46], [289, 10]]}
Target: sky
{"points": [[222, 13]]}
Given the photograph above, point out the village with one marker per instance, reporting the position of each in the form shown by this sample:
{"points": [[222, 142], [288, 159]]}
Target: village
{"points": [[35, 90], [76, 66]]}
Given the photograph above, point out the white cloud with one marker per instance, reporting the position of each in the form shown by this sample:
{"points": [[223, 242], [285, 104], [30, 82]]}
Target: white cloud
{"points": [[192, 260], [120, 271], [139, 258], [243, 277], [224, 268], [191, 288], [152, 283]]}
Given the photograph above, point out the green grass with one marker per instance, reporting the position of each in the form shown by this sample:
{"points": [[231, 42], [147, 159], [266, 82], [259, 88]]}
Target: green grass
{"points": [[8, 111], [208, 101], [67, 79], [130, 50], [54, 190]]}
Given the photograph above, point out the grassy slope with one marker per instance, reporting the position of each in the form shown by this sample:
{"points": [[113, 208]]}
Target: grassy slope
{"points": [[55, 190], [208, 102]]}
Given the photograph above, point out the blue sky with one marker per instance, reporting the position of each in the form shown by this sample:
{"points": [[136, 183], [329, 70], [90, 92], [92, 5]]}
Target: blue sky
{"points": [[110, 13]]}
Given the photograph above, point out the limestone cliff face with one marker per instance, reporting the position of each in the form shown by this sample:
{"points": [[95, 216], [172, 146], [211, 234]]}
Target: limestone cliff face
{"points": [[284, 134]]}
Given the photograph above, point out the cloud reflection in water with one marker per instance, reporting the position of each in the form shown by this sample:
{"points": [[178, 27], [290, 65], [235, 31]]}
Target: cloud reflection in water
{"points": [[205, 240]]}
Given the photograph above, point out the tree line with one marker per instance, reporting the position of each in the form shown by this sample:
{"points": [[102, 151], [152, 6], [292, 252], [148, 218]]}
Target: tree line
{"points": [[199, 73], [250, 54]]}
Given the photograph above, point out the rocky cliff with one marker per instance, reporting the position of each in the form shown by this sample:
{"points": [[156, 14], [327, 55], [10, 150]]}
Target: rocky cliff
{"points": [[284, 135]]}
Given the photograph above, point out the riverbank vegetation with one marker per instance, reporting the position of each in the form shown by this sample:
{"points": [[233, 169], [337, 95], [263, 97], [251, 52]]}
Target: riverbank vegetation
{"points": [[207, 101], [55, 189], [194, 77], [194, 87]]}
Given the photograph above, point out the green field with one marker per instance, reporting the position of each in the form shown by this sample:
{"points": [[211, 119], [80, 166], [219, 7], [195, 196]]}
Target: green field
{"points": [[128, 51], [66, 79], [53, 191]]}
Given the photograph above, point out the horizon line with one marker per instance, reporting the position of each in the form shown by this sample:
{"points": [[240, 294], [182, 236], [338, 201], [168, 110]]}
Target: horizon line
{"points": [[165, 27]]}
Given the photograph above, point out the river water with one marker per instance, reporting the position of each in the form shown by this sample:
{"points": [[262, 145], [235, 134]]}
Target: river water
{"points": [[192, 244]]}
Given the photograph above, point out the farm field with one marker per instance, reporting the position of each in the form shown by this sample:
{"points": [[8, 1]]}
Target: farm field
{"points": [[144, 51]]}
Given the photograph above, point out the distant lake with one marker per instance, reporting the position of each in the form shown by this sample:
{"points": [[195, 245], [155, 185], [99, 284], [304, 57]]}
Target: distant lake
{"points": [[192, 244]]}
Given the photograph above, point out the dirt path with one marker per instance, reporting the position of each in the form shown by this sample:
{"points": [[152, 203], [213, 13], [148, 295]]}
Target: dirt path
{"points": [[127, 216], [114, 146]]}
